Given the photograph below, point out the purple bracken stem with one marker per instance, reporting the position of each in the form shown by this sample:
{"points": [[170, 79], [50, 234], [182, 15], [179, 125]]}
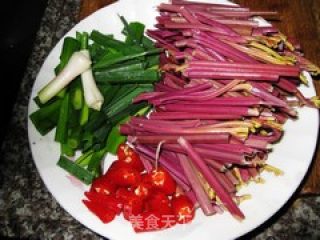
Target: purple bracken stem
{"points": [[147, 96], [268, 97], [180, 124], [252, 66], [224, 181], [234, 148], [268, 87], [189, 116], [166, 163], [223, 157], [231, 177], [179, 81], [245, 175], [198, 190], [215, 55], [201, 54], [190, 194], [257, 143], [202, 4], [146, 163], [163, 33], [199, 108], [162, 41], [213, 74], [180, 182], [164, 87], [229, 101], [287, 85], [253, 172], [289, 71], [221, 193], [224, 28], [171, 83], [180, 92], [200, 96], [155, 139], [125, 129], [221, 47], [183, 26], [215, 164]]}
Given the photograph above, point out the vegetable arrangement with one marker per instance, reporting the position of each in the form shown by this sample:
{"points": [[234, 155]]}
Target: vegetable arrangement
{"points": [[229, 85], [96, 80]]}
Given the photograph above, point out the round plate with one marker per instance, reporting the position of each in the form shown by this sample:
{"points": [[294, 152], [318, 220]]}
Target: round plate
{"points": [[293, 154]]}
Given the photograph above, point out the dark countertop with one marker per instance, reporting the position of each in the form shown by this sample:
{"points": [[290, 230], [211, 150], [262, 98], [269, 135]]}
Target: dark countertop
{"points": [[28, 210]]}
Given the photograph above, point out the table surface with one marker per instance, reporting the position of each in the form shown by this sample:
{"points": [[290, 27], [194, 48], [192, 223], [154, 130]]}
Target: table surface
{"points": [[28, 210]]}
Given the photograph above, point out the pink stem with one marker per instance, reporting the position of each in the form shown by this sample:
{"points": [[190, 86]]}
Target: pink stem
{"points": [[231, 177], [214, 183], [195, 184], [199, 108], [223, 157], [235, 148], [183, 92], [155, 139], [175, 171], [180, 124], [224, 181], [190, 116], [224, 28], [147, 96], [230, 101], [146, 163], [268, 97], [221, 47], [245, 175], [213, 74], [215, 164], [201, 96]]}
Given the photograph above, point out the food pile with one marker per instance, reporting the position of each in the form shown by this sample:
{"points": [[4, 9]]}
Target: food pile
{"points": [[96, 80], [148, 200], [228, 87]]}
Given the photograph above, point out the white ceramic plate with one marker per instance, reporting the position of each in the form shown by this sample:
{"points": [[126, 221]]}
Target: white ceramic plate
{"points": [[293, 154]]}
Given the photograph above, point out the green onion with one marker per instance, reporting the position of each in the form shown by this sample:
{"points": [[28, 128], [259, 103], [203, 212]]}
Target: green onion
{"points": [[123, 77], [76, 170], [118, 59], [62, 128]]}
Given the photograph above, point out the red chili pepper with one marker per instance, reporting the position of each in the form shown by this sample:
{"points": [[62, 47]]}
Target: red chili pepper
{"points": [[105, 201], [129, 157], [183, 209], [143, 190], [133, 207], [115, 165], [103, 185], [125, 176], [122, 151], [123, 193], [159, 202], [104, 214], [162, 180], [132, 204], [144, 199]]}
